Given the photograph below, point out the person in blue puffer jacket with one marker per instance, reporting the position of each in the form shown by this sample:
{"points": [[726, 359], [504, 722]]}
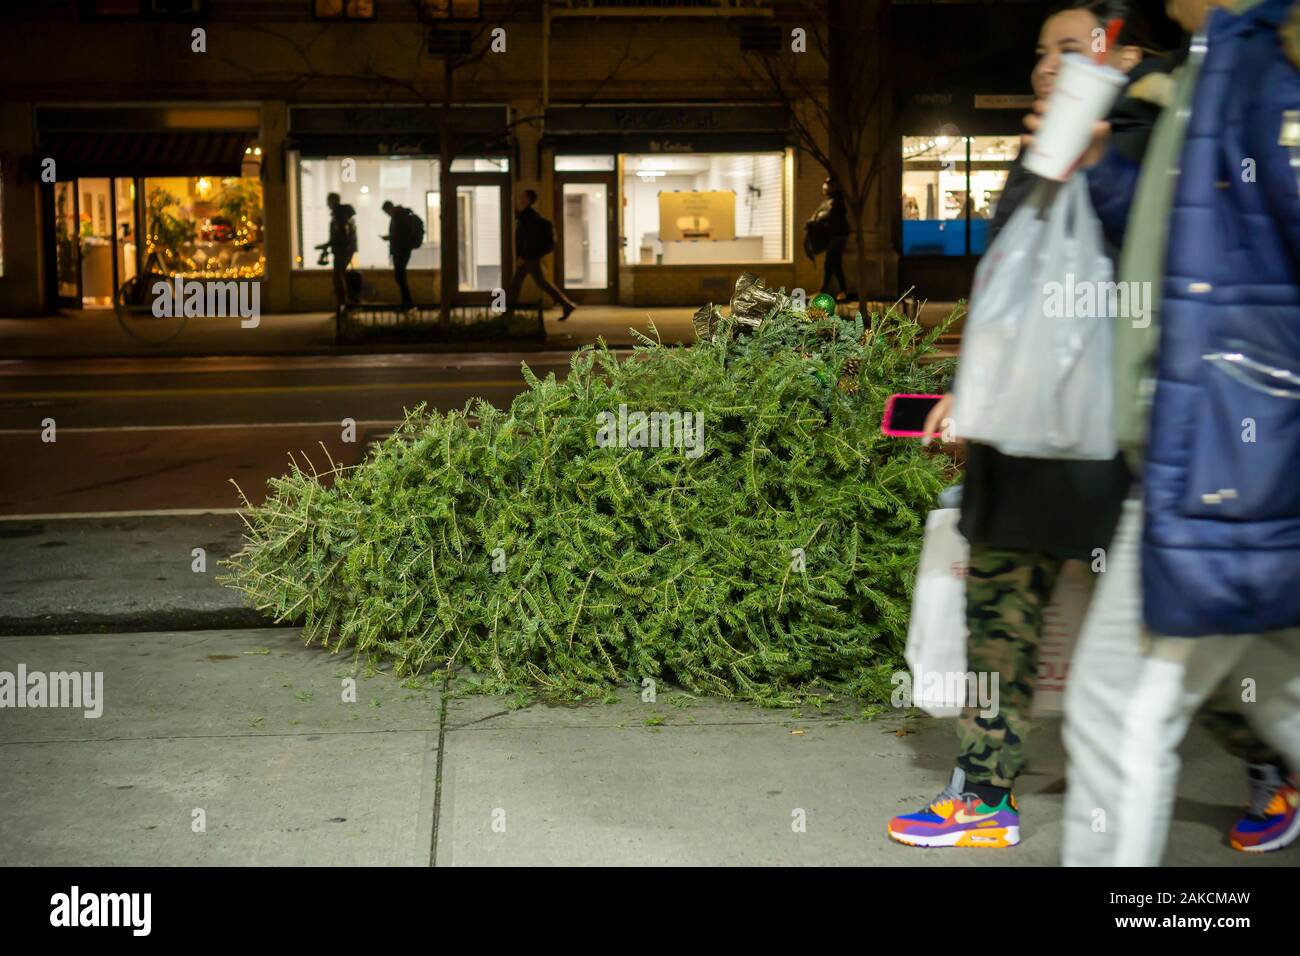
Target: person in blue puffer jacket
{"points": [[1208, 412]]}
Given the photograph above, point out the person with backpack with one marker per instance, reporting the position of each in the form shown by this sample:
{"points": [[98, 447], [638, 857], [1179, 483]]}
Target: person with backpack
{"points": [[534, 238], [828, 231], [405, 235], [342, 245]]}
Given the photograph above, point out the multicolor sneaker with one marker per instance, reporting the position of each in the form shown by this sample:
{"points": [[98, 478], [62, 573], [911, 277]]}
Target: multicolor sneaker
{"points": [[1272, 820], [954, 818]]}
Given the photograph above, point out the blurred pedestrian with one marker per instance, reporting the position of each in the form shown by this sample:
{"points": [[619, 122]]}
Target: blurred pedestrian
{"points": [[1200, 601], [534, 239], [831, 218], [1023, 518]]}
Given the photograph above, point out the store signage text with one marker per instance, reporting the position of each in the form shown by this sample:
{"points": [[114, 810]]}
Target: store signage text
{"points": [[1003, 101], [668, 146]]}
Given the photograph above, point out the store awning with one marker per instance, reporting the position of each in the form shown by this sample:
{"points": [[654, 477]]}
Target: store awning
{"points": [[169, 153]]}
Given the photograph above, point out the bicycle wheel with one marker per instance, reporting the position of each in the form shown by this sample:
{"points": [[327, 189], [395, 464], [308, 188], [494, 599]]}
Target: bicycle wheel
{"points": [[135, 313]]}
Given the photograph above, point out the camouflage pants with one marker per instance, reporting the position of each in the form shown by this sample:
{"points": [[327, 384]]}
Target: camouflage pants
{"points": [[1006, 593]]}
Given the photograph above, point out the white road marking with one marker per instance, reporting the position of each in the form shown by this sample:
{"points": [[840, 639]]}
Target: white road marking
{"points": [[156, 513], [35, 430]]}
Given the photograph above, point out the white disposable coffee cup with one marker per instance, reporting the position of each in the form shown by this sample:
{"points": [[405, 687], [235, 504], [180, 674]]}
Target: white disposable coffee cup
{"points": [[1083, 94]]}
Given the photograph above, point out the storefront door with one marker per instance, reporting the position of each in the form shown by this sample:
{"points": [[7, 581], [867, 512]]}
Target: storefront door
{"points": [[586, 228], [480, 256], [95, 245]]}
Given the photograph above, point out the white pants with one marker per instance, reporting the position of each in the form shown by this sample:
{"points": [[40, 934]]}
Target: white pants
{"points": [[1128, 703]]}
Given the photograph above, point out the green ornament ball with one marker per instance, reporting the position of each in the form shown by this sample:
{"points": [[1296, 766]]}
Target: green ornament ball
{"points": [[824, 302]]}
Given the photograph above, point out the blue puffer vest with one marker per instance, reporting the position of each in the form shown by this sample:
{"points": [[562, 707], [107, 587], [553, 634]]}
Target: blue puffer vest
{"points": [[1221, 548]]}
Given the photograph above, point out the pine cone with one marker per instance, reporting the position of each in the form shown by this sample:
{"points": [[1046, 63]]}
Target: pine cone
{"points": [[813, 313], [848, 386], [851, 368]]}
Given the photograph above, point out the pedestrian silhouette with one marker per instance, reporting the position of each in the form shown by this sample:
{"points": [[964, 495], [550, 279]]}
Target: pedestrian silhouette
{"points": [[342, 245], [534, 238], [405, 235]]}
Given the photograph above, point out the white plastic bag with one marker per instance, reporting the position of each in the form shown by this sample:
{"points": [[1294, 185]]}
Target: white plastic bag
{"points": [[1035, 377], [937, 632]]}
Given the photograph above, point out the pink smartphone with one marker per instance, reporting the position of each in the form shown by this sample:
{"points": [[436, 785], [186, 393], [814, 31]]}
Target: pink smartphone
{"points": [[905, 415]]}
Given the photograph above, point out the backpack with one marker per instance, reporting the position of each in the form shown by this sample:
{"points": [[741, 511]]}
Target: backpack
{"points": [[545, 235], [414, 228], [816, 237]]}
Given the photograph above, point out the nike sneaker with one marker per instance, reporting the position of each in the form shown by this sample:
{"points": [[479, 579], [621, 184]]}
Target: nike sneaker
{"points": [[1272, 821], [956, 818]]}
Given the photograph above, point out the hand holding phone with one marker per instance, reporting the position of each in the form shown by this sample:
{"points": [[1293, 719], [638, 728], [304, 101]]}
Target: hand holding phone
{"points": [[934, 422], [913, 416]]}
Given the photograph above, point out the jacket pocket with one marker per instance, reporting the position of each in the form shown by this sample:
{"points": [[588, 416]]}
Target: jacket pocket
{"points": [[1246, 444]]}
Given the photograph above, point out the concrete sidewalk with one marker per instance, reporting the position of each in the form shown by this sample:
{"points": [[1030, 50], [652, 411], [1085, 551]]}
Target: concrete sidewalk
{"points": [[98, 334], [248, 734]]}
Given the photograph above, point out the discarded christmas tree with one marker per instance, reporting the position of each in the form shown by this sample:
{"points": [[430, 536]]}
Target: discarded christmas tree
{"points": [[570, 545]]}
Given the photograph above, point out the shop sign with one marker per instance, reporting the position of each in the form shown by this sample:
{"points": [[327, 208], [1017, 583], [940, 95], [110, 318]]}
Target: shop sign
{"points": [[666, 119], [1003, 101]]}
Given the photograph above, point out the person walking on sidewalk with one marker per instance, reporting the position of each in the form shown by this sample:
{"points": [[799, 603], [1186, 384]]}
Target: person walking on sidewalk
{"points": [[833, 220], [342, 246], [405, 235], [534, 239], [1023, 518], [1200, 594]]}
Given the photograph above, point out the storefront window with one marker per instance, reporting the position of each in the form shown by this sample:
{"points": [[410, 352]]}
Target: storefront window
{"points": [[344, 9], [370, 182], [585, 209], [683, 208], [202, 226], [947, 181], [495, 164], [584, 164], [66, 238], [478, 237]]}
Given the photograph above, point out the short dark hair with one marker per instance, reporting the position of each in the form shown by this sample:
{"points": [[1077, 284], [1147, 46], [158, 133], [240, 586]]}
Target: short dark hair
{"points": [[530, 195], [388, 204], [1145, 23], [334, 196]]}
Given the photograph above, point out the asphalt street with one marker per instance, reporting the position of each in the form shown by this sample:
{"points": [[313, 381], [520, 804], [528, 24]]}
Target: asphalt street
{"points": [[137, 435]]}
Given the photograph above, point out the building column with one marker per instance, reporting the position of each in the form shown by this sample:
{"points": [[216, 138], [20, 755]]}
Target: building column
{"points": [[22, 287], [277, 219]]}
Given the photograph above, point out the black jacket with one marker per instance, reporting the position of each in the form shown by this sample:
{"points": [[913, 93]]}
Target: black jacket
{"points": [[833, 213], [530, 234], [400, 240], [343, 231]]}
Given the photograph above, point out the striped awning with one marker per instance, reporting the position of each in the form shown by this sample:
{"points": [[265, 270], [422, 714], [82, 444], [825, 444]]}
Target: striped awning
{"points": [[129, 153]]}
